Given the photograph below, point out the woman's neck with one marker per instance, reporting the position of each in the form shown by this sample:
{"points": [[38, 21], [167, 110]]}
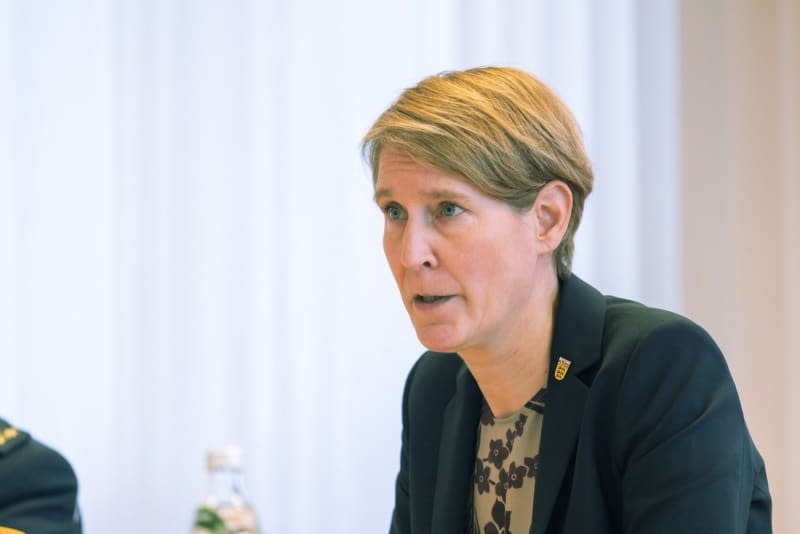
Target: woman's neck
{"points": [[510, 374]]}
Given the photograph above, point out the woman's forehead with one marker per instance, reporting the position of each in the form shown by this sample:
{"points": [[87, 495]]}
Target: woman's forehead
{"points": [[401, 172]]}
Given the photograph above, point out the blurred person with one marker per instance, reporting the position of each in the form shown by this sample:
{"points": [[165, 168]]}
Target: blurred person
{"points": [[38, 488], [542, 405]]}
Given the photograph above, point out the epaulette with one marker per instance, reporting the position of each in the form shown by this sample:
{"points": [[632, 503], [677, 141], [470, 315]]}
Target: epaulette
{"points": [[11, 438]]}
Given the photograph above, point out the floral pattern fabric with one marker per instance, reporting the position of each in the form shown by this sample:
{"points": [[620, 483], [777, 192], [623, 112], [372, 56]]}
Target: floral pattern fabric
{"points": [[506, 466]]}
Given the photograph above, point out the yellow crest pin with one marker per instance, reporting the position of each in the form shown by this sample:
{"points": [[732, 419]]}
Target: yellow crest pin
{"points": [[562, 366]]}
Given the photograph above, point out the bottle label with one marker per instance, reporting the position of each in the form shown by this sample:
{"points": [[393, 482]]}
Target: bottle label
{"points": [[228, 520]]}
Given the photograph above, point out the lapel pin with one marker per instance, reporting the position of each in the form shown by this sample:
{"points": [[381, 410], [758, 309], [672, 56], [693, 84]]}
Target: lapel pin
{"points": [[562, 366]]}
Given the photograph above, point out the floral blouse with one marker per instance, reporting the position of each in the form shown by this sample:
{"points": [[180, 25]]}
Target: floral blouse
{"points": [[505, 469]]}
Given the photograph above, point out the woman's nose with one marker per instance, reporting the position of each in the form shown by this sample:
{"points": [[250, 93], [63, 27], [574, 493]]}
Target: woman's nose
{"points": [[417, 251]]}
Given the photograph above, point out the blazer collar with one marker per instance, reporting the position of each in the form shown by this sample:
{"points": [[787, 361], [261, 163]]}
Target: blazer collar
{"points": [[577, 336]]}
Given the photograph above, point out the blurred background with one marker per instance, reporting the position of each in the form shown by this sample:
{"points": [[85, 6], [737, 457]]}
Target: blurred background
{"points": [[190, 256]]}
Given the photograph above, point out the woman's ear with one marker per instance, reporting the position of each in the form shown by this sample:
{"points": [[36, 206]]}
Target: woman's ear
{"points": [[552, 210]]}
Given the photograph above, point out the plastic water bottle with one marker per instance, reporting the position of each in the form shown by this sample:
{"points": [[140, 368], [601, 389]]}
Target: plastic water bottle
{"points": [[225, 509]]}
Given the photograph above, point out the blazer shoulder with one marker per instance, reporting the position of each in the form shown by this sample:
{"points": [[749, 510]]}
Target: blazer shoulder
{"points": [[41, 487], [633, 328], [665, 369], [433, 377], [32, 469], [11, 439], [437, 365]]}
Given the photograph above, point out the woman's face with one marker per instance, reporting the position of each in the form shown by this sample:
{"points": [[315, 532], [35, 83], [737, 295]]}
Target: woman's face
{"points": [[465, 263]]}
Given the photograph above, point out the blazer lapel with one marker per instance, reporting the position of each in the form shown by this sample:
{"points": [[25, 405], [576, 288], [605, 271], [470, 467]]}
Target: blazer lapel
{"points": [[562, 420], [457, 457], [577, 338]]}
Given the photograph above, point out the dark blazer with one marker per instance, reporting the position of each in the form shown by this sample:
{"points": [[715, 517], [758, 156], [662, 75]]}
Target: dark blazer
{"points": [[644, 434], [38, 488]]}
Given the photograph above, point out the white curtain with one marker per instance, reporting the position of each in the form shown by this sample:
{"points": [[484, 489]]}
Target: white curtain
{"points": [[189, 253]]}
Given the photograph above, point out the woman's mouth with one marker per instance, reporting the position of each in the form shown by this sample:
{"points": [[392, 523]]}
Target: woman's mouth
{"points": [[431, 299]]}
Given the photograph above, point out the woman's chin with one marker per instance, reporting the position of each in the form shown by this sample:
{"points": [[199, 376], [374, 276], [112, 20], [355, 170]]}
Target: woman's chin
{"points": [[440, 338]]}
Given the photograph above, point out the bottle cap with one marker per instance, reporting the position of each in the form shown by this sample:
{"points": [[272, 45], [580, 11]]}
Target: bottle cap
{"points": [[228, 457]]}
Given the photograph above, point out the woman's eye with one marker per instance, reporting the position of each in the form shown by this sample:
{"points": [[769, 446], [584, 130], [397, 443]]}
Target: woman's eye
{"points": [[393, 212], [449, 209]]}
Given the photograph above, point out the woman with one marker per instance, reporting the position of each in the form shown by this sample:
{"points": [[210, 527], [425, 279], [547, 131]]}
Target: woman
{"points": [[542, 406]]}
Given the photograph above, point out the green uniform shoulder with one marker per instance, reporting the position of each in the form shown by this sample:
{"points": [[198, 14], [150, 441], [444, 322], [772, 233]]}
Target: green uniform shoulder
{"points": [[11, 438]]}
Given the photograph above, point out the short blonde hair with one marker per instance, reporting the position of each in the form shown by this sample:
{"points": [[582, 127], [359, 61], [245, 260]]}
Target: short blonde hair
{"points": [[498, 128]]}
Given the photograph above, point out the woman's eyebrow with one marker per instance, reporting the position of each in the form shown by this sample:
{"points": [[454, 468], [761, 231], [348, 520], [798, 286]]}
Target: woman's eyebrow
{"points": [[435, 194], [381, 193], [439, 194]]}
